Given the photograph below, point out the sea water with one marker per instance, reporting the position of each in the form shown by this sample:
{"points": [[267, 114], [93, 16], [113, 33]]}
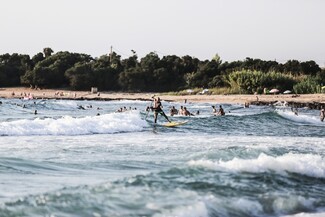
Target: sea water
{"points": [[82, 158]]}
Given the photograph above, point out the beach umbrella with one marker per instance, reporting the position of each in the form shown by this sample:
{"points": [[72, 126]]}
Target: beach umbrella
{"points": [[287, 91], [205, 91], [274, 91]]}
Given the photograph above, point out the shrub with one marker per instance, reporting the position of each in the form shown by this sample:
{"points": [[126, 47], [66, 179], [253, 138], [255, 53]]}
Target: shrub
{"points": [[308, 85], [247, 81]]}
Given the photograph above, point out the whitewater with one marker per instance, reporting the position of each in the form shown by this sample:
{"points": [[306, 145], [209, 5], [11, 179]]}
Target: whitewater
{"points": [[82, 158]]}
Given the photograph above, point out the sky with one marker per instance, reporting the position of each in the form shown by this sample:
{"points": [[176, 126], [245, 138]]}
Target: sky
{"points": [[278, 30]]}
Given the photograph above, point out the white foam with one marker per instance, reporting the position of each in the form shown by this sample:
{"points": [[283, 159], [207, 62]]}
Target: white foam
{"points": [[108, 123], [291, 202], [66, 103], [190, 117], [195, 210], [302, 118], [304, 214], [253, 207], [306, 164], [247, 112]]}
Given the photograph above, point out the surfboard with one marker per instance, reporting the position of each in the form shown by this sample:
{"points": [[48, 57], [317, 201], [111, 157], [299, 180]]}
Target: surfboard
{"points": [[174, 124]]}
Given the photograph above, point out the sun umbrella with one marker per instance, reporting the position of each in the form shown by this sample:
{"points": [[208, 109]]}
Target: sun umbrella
{"points": [[205, 91], [287, 91], [274, 91]]}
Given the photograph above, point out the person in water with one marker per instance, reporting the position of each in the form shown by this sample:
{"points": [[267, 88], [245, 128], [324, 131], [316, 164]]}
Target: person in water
{"points": [[173, 111], [157, 109], [187, 112], [221, 112], [214, 110], [322, 114], [294, 110], [181, 110]]}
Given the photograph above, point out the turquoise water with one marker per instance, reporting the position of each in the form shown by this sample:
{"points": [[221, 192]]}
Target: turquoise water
{"points": [[65, 161]]}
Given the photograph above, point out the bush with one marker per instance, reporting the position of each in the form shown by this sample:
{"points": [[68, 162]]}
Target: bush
{"points": [[308, 85], [247, 81]]}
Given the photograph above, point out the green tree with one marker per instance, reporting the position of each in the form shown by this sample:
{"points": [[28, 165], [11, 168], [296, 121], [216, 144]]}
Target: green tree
{"points": [[310, 68], [47, 52], [12, 67], [130, 62], [50, 72], [132, 80], [207, 70], [37, 58], [80, 76], [293, 66], [106, 76]]}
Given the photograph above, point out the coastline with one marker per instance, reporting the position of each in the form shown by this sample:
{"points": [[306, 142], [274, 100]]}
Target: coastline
{"points": [[313, 101]]}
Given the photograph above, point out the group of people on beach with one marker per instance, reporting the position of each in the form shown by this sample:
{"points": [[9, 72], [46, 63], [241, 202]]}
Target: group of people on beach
{"points": [[29, 96]]}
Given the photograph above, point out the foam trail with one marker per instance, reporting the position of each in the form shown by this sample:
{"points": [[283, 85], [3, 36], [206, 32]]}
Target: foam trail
{"points": [[109, 123], [302, 118], [303, 214], [305, 164], [63, 104], [198, 209]]}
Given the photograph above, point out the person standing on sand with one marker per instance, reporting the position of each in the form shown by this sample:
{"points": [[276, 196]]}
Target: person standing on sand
{"points": [[157, 108]]}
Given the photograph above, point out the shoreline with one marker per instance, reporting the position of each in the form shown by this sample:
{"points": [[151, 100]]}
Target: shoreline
{"points": [[313, 101]]}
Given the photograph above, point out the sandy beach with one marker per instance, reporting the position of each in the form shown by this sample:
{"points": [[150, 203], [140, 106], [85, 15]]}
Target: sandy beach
{"points": [[21, 92]]}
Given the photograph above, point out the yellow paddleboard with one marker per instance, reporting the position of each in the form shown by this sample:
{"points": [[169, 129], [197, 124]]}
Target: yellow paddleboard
{"points": [[174, 124]]}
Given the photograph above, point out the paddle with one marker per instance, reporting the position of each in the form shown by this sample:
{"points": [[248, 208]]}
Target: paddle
{"points": [[149, 107]]}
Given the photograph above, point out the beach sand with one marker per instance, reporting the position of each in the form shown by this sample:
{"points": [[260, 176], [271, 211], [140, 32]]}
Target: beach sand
{"points": [[21, 92]]}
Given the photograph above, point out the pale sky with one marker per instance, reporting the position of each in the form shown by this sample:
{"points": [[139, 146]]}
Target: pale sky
{"points": [[235, 29]]}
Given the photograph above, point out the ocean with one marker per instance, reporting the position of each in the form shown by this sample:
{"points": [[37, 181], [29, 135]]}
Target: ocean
{"points": [[82, 158]]}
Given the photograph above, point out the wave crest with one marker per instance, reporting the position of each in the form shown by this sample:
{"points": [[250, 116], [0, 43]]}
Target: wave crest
{"points": [[67, 125], [306, 164]]}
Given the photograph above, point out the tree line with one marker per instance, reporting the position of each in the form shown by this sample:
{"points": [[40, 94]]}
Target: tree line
{"points": [[78, 71]]}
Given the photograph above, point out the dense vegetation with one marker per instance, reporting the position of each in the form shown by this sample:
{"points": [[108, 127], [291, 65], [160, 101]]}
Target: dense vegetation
{"points": [[152, 73]]}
